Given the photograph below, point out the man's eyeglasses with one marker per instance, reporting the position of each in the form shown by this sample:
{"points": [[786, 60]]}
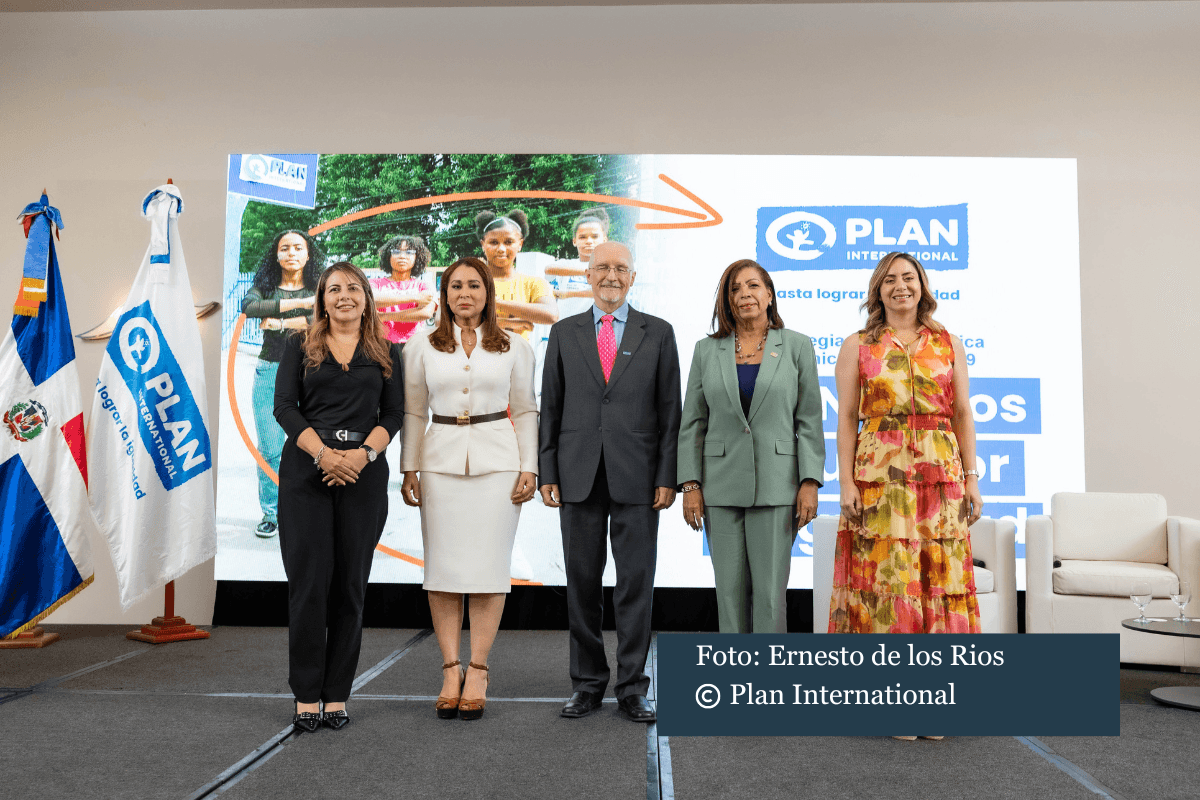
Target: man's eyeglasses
{"points": [[621, 271]]}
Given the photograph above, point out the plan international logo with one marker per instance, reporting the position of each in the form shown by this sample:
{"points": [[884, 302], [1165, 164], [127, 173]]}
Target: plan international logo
{"points": [[856, 237], [170, 423]]}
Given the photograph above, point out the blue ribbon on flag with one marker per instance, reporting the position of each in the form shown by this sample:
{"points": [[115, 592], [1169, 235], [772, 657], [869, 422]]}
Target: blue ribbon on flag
{"points": [[37, 251], [160, 238]]}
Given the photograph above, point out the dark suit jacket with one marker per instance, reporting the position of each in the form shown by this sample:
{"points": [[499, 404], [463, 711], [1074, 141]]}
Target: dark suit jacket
{"points": [[634, 419]]}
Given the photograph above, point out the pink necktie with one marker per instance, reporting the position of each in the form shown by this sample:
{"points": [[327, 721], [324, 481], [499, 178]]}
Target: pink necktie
{"points": [[607, 344]]}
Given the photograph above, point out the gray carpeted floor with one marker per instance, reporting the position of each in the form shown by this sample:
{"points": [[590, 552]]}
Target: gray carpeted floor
{"points": [[146, 727], [836, 768], [65, 745], [1156, 757], [233, 660], [518, 750], [80, 646]]}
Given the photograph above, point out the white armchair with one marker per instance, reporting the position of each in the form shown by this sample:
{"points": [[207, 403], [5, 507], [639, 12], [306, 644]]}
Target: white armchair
{"points": [[1104, 542], [993, 541]]}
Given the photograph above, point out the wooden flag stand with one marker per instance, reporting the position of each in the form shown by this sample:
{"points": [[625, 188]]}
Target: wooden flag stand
{"points": [[168, 627], [34, 637]]}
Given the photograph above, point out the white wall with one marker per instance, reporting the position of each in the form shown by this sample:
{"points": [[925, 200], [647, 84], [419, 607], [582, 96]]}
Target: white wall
{"points": [[101, 107]]}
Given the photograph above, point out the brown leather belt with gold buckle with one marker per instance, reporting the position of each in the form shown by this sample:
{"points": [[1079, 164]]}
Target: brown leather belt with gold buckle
{"points": [[463, 419]]}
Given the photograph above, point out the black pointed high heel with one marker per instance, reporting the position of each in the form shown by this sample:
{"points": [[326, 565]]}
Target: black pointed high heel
{"points": [[335, 720], [305, 721]]}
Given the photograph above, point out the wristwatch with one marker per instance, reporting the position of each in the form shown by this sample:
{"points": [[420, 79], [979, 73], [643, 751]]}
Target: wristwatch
{"points": [[371, 454]]}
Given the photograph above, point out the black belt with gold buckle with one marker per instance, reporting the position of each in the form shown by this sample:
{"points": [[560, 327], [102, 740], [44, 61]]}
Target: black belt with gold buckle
{"points": [[342, 435], [463, 419]]}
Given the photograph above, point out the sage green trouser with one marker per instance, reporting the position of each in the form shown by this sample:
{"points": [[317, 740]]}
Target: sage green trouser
{"points": [[752, 558]]}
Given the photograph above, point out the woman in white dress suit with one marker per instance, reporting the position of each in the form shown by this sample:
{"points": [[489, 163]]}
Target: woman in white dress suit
{"points": [[477, 466]]}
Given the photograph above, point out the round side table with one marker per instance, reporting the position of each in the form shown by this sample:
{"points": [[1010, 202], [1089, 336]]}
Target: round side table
{"points": [[1180, 696]]}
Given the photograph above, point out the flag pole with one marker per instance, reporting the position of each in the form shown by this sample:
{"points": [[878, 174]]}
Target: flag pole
{"points": [[168, 627], [36, 636]]}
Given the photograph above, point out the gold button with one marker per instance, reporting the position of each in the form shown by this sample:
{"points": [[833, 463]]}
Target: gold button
{"points": [[465, 390], [467, 368]]}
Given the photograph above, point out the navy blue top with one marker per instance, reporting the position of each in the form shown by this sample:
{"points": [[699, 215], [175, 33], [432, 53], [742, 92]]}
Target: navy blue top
{"points": [[747, 375]]}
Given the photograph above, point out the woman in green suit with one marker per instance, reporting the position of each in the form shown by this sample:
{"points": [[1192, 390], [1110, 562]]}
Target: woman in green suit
{"points": [[751, 449]]}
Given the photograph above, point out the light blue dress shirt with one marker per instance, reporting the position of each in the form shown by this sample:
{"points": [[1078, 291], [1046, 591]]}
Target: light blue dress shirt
{"points": [[620, 316]]}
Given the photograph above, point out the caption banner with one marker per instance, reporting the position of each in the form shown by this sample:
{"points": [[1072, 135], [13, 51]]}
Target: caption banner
{"points": [[888, 685]]}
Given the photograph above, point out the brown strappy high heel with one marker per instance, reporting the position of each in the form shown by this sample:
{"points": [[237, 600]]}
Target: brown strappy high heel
{"points": [[473, 709], [447, 707]]}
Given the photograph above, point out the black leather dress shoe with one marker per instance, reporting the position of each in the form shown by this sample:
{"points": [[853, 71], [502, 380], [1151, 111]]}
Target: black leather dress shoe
{"points": [[306, 721], [335, 720], [581, 704], [637, 708]]}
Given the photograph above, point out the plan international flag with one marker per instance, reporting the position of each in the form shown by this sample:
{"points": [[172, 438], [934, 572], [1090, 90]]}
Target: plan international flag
{"points": [[45, 558], [151, 456]]}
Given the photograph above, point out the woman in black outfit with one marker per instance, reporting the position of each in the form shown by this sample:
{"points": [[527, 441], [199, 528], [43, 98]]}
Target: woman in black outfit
{"points": [[339, 397], [281, 301]]}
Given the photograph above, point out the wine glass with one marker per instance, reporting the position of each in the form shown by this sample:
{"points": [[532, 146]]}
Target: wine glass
{"points": [[1141, 598], [1181, 597]]}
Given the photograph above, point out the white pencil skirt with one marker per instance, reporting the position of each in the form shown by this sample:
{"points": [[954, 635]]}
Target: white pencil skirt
{"points": [[468, 524]]}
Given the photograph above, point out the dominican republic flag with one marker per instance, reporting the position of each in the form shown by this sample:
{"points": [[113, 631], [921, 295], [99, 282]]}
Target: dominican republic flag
{"points": [[45, 558], [151, 455]]}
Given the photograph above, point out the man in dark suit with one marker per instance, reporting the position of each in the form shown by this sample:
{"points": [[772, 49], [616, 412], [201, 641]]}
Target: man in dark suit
{"points": [[608, 439]]}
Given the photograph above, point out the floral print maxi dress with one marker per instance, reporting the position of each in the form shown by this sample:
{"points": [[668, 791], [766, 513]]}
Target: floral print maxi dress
{"points": [[907, 568]]}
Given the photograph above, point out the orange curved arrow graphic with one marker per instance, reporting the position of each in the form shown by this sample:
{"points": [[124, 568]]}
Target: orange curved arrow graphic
{"points": [[704, 220]]}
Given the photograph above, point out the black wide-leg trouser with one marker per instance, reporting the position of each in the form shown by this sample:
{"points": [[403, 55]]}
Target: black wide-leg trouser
{"points": [[327, 535], [586, 527]]}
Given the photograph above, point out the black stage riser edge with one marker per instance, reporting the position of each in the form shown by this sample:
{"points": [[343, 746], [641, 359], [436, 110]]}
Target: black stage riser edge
{"points": [[406, 605]]}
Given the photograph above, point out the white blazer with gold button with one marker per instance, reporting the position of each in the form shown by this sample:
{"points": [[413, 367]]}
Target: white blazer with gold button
{"points": [[450, 384]]}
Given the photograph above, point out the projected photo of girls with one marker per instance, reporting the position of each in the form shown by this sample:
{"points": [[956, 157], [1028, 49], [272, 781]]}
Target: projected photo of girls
{"points": [[569, 276], [522, 301], [405, 298], [370, 211], [280, 301]]}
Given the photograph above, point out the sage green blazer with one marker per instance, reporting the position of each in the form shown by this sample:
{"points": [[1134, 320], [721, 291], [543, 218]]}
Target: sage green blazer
{"points": [[760, 458]]}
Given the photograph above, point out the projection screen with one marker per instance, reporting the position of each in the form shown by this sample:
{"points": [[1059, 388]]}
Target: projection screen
{"points": [[999, 238]]}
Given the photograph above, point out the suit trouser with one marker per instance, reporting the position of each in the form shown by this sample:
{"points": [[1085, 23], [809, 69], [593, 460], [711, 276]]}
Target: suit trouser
{"points": [[328, 536], [752, 559], [634, 532]]}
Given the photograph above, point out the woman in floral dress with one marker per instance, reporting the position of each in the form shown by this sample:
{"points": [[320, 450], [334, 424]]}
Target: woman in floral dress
{"points": [[909, 486]]}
